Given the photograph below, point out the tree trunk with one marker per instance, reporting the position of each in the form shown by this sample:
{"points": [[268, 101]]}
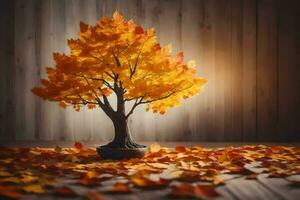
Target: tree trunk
{"points": [[122, 138]]}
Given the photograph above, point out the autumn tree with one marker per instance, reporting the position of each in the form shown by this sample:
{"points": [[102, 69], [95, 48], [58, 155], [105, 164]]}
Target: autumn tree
{"points": [[119, 58]]}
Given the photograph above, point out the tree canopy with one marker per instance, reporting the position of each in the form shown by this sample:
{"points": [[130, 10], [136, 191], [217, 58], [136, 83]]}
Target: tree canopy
{"points": [[119, 56]]}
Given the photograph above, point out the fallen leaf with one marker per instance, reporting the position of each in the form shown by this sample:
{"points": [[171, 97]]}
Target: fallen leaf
{"points": [[5, 173], [28, 178], [143, 181], [252, 176], [218, 180], [78, 145], [184, 190], [154, 148], [58, 149], [94, 196], [34, 188], [11, 180], [158, 165], [187, 190], [180, 149], [203, 191], [10, 192], [120, 188], [47, 181], [65, 192]]}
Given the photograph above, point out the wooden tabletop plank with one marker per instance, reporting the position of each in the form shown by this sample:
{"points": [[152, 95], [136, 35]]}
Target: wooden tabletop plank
{"points": [[244, 189], [280, 186]]}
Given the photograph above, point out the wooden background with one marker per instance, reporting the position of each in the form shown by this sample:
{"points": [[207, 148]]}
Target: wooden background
{"points": [[249, 50]]}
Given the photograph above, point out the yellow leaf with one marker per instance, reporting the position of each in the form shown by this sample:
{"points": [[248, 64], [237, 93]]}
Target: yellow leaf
{"points": [[11, 180], [58, 149], [5, 173], [28, 178], [155, 147], [34, 188]]}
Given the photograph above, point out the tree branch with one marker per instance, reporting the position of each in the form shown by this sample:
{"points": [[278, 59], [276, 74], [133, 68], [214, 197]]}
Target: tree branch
{"points": [[164, 97], [132, 71], [106, 107], [133, 98], [108, 74], [116, 58], [106, 102], [149, 101], [124, 48], [84, 102], [128, 61], [107, 84], [136, 103], [101, 60]]}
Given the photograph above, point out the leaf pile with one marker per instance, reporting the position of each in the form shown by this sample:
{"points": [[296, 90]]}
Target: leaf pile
{"points": [[56, 171]]}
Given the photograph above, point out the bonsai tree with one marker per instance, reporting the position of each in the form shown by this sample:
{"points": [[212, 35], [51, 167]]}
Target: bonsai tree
{"points": [[119, 58]]}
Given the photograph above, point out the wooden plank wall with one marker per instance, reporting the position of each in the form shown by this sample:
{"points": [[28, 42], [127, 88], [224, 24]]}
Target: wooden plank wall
{"points": [[7, 72], [248, 50]]}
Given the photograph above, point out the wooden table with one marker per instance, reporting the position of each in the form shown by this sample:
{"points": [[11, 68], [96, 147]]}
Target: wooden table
{"points": [[235, 187]]}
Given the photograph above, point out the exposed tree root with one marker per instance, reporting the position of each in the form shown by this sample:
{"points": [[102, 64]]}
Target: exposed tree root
{"points": [[127, 144]]}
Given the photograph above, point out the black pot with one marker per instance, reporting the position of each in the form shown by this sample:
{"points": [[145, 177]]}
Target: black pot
{"points": [[120, 153]]}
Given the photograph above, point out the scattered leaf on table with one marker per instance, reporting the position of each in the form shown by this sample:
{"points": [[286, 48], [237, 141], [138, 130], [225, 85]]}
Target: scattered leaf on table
{"points": [[94, 196], [65, 192], [203, 191], [58, 149], [252, 176], [28, 178], [218, 180], [120, 188], [153, 148], [34, 188], [143, 181], [9, 192], [90, 179], [11, 180], [183, 191], [158, 165], [180, 149], [187, 190], [5, 173], [78, 145]]}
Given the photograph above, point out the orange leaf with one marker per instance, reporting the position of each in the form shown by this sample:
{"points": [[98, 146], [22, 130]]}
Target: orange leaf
{"points": [[90, 179], [94, 196], [83, 27], [205, 191], [180, 149], [62, 104], [10, 192], [78, 145], [155, 147], [91, 106], [186, 190], [139, 30], [183, 191], [65, 191], [143, 181], [121, 188]]}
